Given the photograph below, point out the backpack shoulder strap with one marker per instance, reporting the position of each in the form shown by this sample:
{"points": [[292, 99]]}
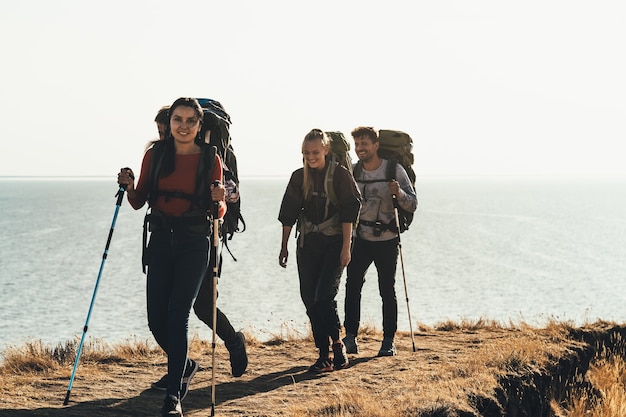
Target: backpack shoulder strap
{"points": [[203, 181], [357, 170], [391, 169], [158, 152], [329, 184]]}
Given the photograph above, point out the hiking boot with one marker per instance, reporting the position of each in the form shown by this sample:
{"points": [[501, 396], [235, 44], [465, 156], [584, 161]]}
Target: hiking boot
{"points": [[322, 364], [238, 355], [340, 358], [161, 384], [388, 348], [171, 407], [190, 371], [350, 343]]}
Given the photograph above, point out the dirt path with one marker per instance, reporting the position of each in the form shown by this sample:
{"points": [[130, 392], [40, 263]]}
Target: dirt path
{"points": [[449, 369]]}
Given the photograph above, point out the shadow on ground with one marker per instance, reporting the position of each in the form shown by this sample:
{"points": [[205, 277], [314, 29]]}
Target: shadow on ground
{"points": [[148, 402]]}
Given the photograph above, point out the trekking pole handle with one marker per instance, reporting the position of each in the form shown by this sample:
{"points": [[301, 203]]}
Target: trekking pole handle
{"points": [[216, 214], [396, 209], [216, 204], [394, 197], [122, 189], [132, 177]]}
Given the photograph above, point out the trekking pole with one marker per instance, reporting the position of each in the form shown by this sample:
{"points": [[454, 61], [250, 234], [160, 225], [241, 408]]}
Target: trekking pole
{"points": [[406, 292], [216, 242], [120, 196]]}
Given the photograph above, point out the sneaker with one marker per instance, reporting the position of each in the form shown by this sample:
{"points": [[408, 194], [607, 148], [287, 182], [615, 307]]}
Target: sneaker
{"points": [[171, 407], [161, 384], [350, 343], [190, 371], [238, 355], [321, 365], [388, 348], [340, 358]]}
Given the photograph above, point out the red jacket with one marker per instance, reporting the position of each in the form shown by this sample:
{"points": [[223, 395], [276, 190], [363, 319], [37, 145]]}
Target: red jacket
{"points": [[183, 179]]}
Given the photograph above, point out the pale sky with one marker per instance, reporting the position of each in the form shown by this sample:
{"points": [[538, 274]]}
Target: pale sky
{"points": [[483, 87]]}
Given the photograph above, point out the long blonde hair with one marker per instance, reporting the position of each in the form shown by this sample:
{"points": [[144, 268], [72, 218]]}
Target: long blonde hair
{"points": [[307, 183]]}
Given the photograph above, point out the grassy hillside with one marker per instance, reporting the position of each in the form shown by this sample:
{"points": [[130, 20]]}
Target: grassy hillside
{"points": [[458, 370]]}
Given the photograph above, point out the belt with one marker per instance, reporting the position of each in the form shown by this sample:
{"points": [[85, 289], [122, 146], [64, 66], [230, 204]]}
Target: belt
{"points": [[381, 225], [378, 226]]}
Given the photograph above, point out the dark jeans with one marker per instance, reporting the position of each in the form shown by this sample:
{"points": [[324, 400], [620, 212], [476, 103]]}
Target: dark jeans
{"points": [[203, 307], [319, 270], [176, 264], [384, 254]]}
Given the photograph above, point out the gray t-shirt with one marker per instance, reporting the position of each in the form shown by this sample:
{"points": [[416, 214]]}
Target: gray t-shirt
{"points": [[377, 204]]}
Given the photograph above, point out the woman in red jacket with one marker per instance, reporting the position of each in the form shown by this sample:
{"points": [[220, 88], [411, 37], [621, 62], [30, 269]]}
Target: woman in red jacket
{"points": [[179, 186]]}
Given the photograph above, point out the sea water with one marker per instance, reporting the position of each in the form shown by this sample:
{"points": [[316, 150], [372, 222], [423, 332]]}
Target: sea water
{"points": [[505, 249]]}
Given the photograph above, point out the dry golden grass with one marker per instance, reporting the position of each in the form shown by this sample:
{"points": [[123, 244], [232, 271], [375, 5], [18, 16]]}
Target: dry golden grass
{"points": [[602, 392], [456, 367]]}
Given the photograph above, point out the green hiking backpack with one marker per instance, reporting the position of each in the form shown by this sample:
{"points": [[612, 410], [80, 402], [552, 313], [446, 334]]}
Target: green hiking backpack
{"points": [[339, 149], [397, 145], [339, 153]]}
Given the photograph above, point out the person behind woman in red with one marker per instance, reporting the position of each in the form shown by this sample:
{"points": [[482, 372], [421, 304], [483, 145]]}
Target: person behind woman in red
{"points": [[180, 197], [162, 121], [324, 242]]}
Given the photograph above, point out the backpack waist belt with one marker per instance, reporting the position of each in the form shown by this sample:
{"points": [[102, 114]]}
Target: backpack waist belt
{"points": [[195, 221], [379, 225], [328, 227]]}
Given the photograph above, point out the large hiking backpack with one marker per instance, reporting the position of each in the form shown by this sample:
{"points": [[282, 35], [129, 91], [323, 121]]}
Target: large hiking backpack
{"points": [[339, 154], [217, 125], [397, 147], [340, 149]]}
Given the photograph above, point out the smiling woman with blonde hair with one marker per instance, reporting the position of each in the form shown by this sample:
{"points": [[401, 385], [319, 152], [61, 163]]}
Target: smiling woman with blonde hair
{"points": [[323, 249]]}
